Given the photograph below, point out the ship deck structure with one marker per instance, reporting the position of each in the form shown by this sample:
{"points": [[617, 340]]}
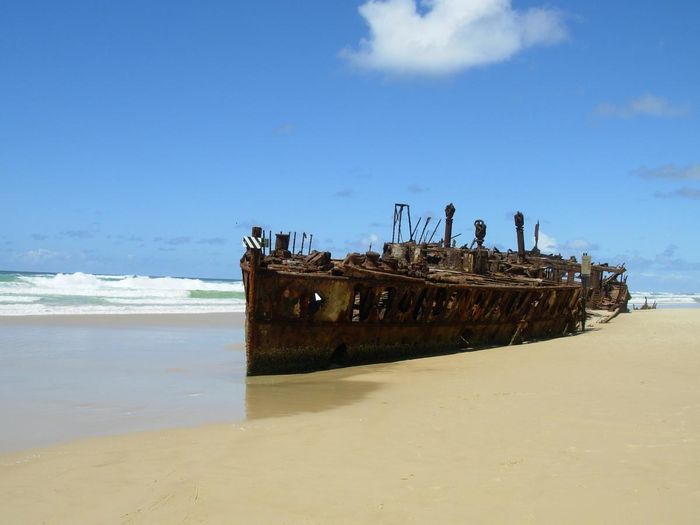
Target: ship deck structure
{"points": [[309, 311]]}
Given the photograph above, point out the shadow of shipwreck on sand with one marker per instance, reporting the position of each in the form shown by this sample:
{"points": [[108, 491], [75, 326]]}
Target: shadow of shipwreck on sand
{"points": [[284, 395]]}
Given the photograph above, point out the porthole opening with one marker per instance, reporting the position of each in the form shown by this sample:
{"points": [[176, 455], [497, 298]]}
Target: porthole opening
{"points": [[315, 303]]}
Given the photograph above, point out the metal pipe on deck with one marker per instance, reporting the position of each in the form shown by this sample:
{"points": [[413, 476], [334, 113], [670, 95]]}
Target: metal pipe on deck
{"points": [[536, 250], [449, 213], [433, 234], [422, 233], [519, 229]]}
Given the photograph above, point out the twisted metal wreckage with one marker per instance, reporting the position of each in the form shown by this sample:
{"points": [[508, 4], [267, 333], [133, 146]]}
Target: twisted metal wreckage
{"points": [[419, 297]]}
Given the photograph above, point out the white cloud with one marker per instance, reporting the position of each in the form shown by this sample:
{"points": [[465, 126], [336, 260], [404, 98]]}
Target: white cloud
{"points": [[372, 238], [39, 255], [364, 242], [671, 172], [437, 37], [646, 105], [683, 193], [345, 192], [578, 244], [547, 244]]}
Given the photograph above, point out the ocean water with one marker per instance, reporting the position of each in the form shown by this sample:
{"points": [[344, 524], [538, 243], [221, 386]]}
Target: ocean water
{"points": [[666, 299], [83, 293]]}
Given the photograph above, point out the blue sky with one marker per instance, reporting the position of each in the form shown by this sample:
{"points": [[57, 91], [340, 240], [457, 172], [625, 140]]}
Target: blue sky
{"points": [[146, 137]]}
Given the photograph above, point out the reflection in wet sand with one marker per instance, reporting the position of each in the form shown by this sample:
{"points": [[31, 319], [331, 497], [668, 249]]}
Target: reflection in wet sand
{"points": [[86, 378], [272, 396]]}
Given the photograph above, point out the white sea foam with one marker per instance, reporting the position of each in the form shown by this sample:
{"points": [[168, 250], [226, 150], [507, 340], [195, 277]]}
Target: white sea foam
{"points": [[665, 298], [83, 293]]}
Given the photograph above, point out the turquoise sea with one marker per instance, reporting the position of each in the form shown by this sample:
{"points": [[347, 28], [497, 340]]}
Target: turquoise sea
{"points": [[24, 293]]}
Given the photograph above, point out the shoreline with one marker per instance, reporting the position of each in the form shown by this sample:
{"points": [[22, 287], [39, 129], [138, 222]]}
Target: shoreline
{"points": [[194, 319], [601, 427]]}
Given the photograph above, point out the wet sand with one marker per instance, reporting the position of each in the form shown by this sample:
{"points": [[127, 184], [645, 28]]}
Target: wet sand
{"points": [[68, 377], [216, 320], [598, 428]]}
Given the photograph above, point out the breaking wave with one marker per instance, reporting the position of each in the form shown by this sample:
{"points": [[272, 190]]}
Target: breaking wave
{"points": [[85, 293], [666, 299]]}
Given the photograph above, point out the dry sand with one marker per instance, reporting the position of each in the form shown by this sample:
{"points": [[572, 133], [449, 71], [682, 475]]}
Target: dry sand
{"points": [[597, 428]]}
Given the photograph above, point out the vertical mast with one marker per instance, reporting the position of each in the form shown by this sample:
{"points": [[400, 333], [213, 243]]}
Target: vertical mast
{"points": [[449, 213]]}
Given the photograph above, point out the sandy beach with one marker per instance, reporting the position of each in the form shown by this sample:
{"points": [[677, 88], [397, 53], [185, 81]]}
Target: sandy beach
{"points": [[597, 428]]}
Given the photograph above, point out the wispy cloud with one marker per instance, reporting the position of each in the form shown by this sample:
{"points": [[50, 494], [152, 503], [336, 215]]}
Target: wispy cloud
{"points": [[173, 241], [129, 238], [78, 234], [212, 241], [669, 252], [439, 37], [359, 172], [549, 244], [680, 193], [39, 255], [579, 245], [345, 192], [645, 105], [363, 244], [285, 129], [670, 172], [177, 241], [249, 224], [668, 260], [417, 188], [39, 236]]}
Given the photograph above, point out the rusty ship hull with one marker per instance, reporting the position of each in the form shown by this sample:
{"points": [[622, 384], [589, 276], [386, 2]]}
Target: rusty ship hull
{"points": [[310, 312], [299, 322], [284, 341]]}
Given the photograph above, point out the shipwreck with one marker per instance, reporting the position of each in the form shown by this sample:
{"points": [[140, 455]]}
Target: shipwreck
{"points": [[308, 311]]}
